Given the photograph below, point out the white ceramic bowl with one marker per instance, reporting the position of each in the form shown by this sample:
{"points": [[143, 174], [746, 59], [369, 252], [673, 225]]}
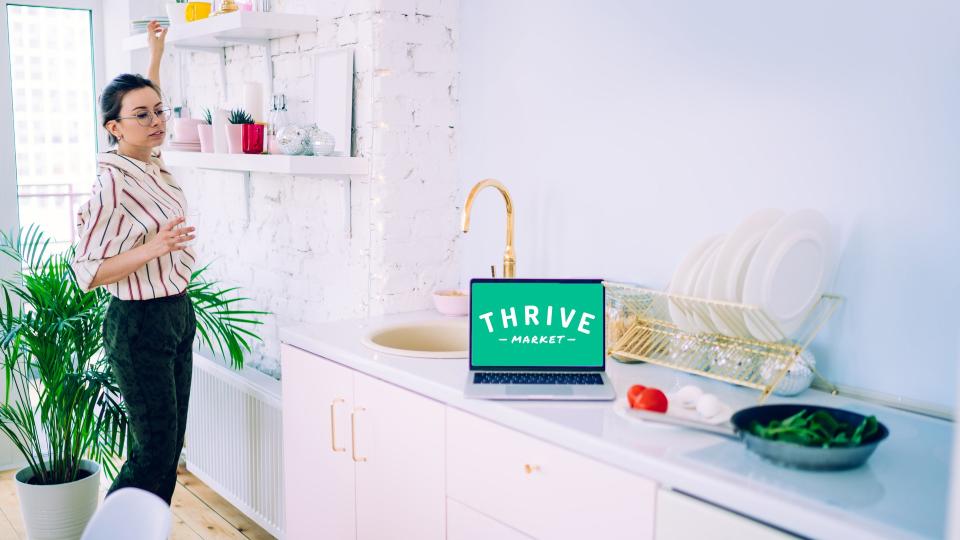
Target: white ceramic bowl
{"points": [[452, 302]]}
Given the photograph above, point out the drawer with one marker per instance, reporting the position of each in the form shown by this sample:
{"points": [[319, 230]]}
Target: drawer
{"points": [[465, 523], [680, 517], [540, 489]]}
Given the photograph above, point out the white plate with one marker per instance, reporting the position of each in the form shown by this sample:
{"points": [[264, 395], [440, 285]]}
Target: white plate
{"points": [[701, 289], [683, 277], [733, 258], [621, 407], [788, 272]]}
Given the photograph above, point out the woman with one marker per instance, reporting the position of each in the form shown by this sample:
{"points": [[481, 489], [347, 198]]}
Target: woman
{"points": [[133, 243]]}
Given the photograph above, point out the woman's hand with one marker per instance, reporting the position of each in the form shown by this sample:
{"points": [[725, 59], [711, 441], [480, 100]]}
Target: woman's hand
{"points": [[156, 35], [171, 239], [120, 266]]}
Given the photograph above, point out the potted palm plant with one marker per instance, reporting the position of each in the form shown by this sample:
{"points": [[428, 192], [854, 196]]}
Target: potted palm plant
{"points": [[61, 406]]}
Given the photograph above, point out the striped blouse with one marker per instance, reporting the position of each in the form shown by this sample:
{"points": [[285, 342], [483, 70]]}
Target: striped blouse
{"points": [[130, 201]]}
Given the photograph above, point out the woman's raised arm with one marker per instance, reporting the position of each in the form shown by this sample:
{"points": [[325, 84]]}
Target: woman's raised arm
{"points": [[156, 35]]}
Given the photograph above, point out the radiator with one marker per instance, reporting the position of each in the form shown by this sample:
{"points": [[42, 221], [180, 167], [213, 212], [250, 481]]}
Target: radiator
{"points": [[234, 439]]}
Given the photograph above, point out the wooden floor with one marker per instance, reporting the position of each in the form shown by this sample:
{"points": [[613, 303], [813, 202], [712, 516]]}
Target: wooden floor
{"points": [[198, 512]]}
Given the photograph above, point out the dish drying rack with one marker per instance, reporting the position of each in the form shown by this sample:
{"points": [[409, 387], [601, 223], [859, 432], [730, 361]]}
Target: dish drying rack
{"points": [[640, 329]]}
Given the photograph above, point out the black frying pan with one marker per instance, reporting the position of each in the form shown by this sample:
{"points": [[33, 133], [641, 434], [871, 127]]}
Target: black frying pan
{"points": [[784, 453]]}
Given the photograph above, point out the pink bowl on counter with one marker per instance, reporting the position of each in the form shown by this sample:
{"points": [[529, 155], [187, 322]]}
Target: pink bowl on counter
{"points": [[452, 302]]}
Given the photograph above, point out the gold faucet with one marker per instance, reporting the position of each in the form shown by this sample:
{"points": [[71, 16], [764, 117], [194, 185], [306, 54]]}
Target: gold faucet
{"points": [[509, 258]]}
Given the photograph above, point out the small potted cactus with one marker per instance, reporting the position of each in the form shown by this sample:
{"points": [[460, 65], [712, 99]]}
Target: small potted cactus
{"points": [[237, 118], [205, 130]]}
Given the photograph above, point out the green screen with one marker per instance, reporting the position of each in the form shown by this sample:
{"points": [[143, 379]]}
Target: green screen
{"points": [[536, 324]]}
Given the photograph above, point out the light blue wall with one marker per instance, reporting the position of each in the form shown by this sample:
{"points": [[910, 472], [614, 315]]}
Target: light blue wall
{"points": [[627, 131]]}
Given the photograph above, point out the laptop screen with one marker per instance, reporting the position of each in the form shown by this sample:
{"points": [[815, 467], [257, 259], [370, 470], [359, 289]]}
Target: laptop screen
{"points": [[536, 324]]}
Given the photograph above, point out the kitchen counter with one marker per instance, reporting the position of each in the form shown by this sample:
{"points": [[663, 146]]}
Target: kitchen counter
{"points": [[900, 493]]}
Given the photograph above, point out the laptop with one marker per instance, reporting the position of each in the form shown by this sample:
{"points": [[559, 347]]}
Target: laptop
{"points": [[537, 339]]}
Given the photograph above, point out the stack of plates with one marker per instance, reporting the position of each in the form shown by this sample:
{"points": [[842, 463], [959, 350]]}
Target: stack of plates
{"points": [[184, 146], [775, 261], [139, 26]]}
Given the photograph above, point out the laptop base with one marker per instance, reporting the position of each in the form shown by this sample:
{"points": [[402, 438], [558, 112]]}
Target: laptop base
{"points": [[527, 392]]}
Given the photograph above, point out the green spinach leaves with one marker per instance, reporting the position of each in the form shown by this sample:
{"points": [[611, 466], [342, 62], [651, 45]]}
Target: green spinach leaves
{"points": [[819, 428]]}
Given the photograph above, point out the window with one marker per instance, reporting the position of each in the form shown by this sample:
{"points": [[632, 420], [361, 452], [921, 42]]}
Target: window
{"points": [[51, 56]]}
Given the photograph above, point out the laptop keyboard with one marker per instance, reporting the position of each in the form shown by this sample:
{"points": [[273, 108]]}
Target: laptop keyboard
{"points": [[537, 378]]}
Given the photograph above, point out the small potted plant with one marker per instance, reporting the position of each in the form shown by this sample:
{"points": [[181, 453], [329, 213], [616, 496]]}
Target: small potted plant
{"points": [[205, 130], [177, 11], [238, 117]]}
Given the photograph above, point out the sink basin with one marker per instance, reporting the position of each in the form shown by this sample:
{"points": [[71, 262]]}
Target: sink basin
{"points": [[428, 339]]}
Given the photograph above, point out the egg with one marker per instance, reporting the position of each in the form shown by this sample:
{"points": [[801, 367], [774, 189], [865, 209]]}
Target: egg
{"points": [[708, 405], [689, 395]]}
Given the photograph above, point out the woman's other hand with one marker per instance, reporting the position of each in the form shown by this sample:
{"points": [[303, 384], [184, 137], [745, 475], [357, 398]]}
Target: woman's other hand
{"points": [[169, 238]]}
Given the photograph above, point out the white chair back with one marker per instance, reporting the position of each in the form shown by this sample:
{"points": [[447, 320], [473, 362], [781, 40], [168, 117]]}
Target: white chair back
{"points": [[130, 513]]}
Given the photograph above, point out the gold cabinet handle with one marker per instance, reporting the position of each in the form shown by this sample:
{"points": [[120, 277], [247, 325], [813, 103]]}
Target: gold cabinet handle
{"points": [[530, 469], [333, 425], [353, 434]]}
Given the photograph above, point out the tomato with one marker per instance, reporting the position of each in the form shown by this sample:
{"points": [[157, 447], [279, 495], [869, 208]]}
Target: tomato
{"points": [[634, 393], [651, 399]]}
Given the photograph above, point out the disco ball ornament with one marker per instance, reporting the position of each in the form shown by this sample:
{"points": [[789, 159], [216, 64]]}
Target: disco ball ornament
{"points": [[321, 142], [293, 140]]}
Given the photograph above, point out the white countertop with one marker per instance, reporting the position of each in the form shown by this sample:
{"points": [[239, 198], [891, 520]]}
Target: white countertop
{"points": [[900, 493]]}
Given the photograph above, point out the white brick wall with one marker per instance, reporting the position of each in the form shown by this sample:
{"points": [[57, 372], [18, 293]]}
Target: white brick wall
{"points": [[292, 258]]}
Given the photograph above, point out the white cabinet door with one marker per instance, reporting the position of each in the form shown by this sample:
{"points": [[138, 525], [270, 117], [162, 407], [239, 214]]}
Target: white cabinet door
{"points": [[541, 489], [400, 468], [319, 478], [680, 517], [465, 523]]}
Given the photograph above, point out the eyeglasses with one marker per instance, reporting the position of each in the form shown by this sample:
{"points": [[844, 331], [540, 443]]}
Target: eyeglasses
{"points": [[145, 118]]}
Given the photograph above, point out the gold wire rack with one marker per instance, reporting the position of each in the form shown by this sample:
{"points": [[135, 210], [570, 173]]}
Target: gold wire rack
{"points": [[712, 338]]}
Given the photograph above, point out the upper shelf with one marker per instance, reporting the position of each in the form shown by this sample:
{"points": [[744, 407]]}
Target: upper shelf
{"points": [[229, 29], [269, 163]]}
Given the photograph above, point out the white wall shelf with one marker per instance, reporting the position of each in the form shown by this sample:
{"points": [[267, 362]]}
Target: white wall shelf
{"points": [[236, 28], [212, 34], [341, 167], [269, 163]]}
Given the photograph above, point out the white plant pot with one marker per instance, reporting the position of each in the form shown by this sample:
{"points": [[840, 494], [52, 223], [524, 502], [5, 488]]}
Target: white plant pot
{"points": [[177, 13], [58, 512]]}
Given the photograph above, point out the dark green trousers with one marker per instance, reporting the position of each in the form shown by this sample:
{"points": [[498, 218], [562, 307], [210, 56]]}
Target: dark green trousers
{"points": [[149, 345]]}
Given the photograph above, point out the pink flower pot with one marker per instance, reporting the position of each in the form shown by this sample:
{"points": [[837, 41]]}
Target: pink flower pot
{"points": [[206, 137], [235, 138]]}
